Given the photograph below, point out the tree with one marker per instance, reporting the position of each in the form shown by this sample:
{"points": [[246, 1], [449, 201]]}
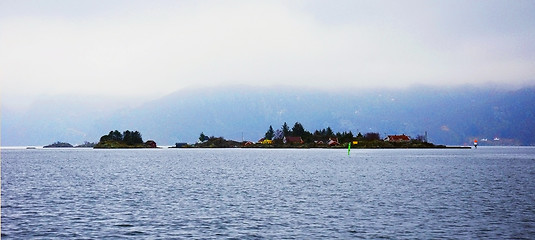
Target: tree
{"points": [[278, 135], [345, 136], [116, 136], [127, 137], [372, 136], [286, 130], [329, 132], [112, 136], [132, 138], [203, 137], [298, 130], [136, 137], [105, 138], [270, 133]]}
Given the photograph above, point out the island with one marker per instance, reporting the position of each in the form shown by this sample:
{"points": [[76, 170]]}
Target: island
{"points": [[127, 139], [59, 144], [296, 142], [285, 137], [298, 137]]}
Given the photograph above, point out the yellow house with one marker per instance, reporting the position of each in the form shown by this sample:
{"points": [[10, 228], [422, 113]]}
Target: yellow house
{"points": [[267, 141]]}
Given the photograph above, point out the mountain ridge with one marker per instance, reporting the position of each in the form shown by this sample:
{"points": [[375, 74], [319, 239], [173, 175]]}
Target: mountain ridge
{"points": [[452, 116]]}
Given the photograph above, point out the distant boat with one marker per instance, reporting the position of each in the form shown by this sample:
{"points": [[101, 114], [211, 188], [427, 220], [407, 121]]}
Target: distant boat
{"points": [[496, 139], [30, 147]]}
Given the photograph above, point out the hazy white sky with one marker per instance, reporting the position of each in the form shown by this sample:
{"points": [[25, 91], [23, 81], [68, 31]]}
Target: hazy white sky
{"points": [[149, 48]]}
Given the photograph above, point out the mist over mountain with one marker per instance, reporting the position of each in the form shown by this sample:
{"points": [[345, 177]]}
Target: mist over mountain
{"points": [[450, 116]]}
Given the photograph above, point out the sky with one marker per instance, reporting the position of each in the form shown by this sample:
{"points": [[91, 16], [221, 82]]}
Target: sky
{"points": [[151, 48]]}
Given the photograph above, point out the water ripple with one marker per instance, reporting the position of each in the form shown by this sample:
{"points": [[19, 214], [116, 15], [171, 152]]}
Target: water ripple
{"points": [[258, 194]]}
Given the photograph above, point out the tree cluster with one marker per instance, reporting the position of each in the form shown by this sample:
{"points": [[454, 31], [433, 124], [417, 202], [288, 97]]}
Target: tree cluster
{"points": [[371, 136], [299, 131], [128, 137]]}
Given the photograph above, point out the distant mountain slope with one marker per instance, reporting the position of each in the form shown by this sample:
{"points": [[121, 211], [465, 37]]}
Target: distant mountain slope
{"points": [[450, 116], [72, 119]]}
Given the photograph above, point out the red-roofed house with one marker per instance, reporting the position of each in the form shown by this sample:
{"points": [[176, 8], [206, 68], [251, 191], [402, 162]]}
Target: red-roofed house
{"points": [[398, 138], [150, 144], [292, 140], [333, 141]]}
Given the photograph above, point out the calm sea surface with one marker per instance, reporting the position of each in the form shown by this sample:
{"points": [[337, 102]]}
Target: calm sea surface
{"points": [[486, 193]]}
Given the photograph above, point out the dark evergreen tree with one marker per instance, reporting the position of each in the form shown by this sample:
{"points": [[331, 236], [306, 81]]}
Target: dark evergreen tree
{"points": [[329, 132], [270, 133], [132, 138], [105, 138], [298, 130], [286, 130], [136, 137], [345, 137], [115, 136], [127, 137], [203, 137]]}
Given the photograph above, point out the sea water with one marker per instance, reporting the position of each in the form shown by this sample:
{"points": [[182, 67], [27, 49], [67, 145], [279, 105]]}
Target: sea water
{"points": [[484, 193]]}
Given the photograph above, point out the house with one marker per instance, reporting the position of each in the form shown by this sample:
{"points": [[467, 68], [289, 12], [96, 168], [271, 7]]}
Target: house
{"points": [[265, 141], [398, 138], [150, 144], [332, 141], [292, 140]]}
